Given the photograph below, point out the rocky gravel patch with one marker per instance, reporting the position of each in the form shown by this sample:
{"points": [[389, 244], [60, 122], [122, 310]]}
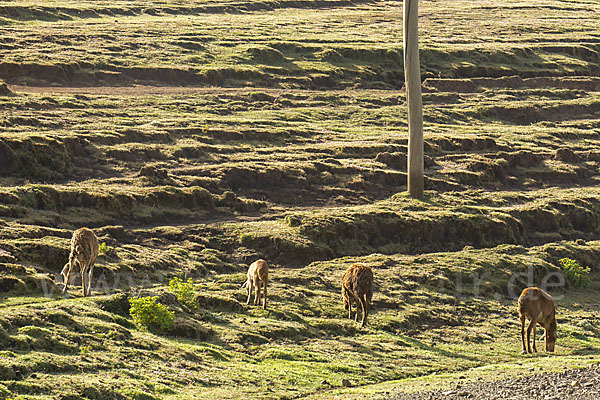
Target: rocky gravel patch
{"points": [[571, 384]]}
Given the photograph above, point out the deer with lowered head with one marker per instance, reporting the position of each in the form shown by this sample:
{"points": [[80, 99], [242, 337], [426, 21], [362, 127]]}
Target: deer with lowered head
{"points": [[84, 250], [258, 275], [538, 307], [357, 285]]}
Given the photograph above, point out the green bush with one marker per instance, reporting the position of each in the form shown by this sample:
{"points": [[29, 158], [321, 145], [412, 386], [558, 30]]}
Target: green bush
{"points": [[150, 315], [576, 275], [184, 291], [103, 249]]}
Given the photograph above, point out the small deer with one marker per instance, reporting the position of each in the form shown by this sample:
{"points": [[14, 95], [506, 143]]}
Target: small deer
{"points": [[84, 250], [538, 307], [257, 273], [357, 285]]}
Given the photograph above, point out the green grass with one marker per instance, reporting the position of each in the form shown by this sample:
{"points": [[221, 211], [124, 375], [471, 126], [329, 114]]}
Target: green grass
{"points": [[303, 338]]}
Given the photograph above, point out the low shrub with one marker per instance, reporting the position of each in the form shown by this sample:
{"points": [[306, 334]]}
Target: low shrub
{"points": [[104, 249], [184, 291], [576, 275], [148, 314]]}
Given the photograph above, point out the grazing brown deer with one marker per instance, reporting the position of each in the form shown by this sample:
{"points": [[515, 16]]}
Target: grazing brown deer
{"points": [[538, 307], [84, 250], [257, 273], [357, 285]]}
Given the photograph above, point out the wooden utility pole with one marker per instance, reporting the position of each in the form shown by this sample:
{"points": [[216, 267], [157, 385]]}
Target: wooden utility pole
{"points": [[412, 82]]}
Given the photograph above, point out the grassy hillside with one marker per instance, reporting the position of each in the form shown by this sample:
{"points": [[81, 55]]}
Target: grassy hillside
{"points": [[196, 137], [291, 44]]}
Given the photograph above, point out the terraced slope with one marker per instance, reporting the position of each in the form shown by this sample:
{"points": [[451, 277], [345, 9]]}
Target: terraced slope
{"points": [[289, 44], [195, 137]]}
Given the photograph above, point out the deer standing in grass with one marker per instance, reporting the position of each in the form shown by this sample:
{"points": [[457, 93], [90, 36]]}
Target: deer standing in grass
{"points": [[357, 285], [258, 274], [84, 250], [538, 307]]}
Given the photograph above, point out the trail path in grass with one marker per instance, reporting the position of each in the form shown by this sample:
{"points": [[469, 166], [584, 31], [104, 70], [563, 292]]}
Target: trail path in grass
{"points": [[467, 85], [143, 90], [136, 90]]}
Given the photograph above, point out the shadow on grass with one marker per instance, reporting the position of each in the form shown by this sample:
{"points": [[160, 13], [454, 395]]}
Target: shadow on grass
{"points": [[586, 351], [412, 342]]}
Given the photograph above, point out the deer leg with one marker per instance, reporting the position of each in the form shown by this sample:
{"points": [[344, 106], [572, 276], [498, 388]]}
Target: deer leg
{"points": [[523, 334], [249, 288], [347, 302], [265, 294], [257, 294], [529, 329], [83, 282], [534, 335], [90, 274], [358, 306], [349, 308], [65, 274], [68, 277], [365, 310]]}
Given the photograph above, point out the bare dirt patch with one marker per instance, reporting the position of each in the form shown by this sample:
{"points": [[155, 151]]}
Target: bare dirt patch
{"points": [[571, 384]]}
